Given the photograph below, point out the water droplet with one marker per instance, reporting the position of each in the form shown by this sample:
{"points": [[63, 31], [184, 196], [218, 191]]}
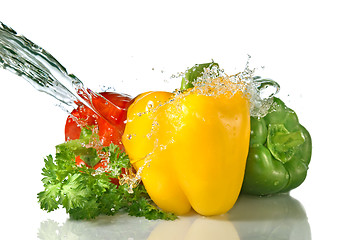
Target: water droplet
{"points": [[149, 106], [130, 136]]}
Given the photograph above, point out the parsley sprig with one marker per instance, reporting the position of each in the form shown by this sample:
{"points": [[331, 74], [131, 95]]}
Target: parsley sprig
{"points": [[86, 193]]}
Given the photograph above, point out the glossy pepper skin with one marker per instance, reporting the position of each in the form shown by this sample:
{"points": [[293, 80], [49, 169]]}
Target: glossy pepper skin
{"points": [[279, 153], [193, 148]]}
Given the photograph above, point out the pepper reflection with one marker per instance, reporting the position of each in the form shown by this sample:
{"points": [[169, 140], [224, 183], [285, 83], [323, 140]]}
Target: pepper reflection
{"points": [[275, 217], [196, 228]]}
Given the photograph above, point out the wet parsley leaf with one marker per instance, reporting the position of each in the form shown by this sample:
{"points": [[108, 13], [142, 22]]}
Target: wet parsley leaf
{"points": [[85, 193]]}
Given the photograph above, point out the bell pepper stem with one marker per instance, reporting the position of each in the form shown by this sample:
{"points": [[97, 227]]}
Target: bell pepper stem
{"points": [[282, 143], [192, 74], [288, 140]]}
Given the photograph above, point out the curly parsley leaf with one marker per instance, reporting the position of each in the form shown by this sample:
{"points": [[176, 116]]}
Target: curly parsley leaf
{"points": [[86, 193], [78, 147]]}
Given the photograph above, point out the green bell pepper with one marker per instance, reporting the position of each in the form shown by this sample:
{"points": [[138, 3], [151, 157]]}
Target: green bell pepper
{"points": [[279, 153]]}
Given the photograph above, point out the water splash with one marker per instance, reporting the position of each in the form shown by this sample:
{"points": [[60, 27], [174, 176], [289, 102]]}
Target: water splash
{"points": [[28, 60], [259, 91], [262, 92]]}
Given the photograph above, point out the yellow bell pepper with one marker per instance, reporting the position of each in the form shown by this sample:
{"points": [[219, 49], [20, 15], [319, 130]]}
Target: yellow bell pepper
{"points": [[190, 148]]}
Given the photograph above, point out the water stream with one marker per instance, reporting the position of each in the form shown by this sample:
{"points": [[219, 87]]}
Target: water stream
{"points": [[26, 59]]}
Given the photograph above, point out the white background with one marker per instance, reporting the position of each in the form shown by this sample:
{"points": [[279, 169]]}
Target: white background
{"points": [[309, 47]]}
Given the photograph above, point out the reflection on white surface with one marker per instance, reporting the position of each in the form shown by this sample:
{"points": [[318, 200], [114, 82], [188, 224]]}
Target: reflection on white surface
{"points": [[196, 227], [276, 217], [104, 227]]}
